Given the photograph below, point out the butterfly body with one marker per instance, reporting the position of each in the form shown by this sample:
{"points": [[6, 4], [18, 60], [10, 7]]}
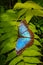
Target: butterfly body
{"points": [[26, 37]]}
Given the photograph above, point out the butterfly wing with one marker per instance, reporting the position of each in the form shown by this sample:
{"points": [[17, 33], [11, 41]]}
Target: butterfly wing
{"points": [[26, 34], [23, 31], [21, 43], [22, 28]]}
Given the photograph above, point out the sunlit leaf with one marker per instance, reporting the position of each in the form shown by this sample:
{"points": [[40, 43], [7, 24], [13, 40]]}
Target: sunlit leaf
{"points": [[30, 53], [31, 60], [14, 61]]}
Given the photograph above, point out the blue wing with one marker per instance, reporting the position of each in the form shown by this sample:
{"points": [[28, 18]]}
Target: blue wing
{"points": [[21, 43], [26, 34], [22, 28], [23, 31]]}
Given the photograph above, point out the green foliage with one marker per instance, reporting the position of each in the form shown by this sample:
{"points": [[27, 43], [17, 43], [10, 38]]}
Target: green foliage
{"points": [[2, 62], [9, 34]]}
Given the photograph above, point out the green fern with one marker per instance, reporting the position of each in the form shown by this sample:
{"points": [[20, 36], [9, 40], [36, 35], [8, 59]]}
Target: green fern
{"points": [[9, 34]]}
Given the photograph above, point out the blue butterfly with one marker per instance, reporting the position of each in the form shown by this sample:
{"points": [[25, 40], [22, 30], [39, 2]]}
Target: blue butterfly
{"points": [[24, 39]]}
